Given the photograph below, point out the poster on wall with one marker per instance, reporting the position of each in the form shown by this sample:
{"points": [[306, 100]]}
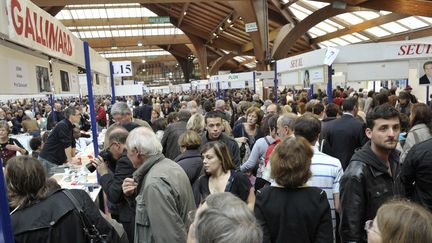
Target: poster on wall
{"points": [[425, 73], [42, 78], [64, 77], [19, 76], [312, 76], [97, 79]]}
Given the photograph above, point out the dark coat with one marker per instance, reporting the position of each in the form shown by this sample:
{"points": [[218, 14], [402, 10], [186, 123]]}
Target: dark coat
{"points": [[364, 187], [171, 149], [32, 224], [112, 186], [416, 174], [144, 112], [53, 118], [192, 162], [297, 215], [343, 136]]}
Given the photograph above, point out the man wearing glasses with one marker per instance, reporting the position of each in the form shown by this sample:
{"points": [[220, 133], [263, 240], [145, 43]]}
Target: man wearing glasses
{"points": [[114, 166]]}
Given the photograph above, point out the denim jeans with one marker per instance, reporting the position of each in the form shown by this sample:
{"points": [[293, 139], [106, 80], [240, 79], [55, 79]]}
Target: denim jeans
{"points": [[49, 166]]}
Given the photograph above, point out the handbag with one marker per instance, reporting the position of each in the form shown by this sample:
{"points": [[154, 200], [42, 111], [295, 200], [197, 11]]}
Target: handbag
{"points": [[92, 234]]}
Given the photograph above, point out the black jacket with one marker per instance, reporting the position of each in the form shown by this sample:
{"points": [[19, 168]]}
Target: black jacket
{"points": [[32, 224], [364, 187], [192, 163], [144, 112], [171, 149], [53, 118], [112, 186], [60, 138], [416, 174], [343, 136]]}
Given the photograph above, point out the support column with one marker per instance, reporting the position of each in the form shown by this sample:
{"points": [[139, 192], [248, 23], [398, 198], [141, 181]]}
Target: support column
{"points": [[201, 53]]}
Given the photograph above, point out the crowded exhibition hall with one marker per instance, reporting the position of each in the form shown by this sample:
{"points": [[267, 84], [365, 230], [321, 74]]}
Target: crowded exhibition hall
{"points": [[216, 121]]}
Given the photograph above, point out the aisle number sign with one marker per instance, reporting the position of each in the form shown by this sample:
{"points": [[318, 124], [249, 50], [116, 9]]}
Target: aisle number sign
{"points": [[122, 68], [159, 20]]}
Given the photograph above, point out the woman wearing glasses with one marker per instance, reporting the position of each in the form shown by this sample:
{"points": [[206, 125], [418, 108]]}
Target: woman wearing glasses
{"points": [[400, 222]]}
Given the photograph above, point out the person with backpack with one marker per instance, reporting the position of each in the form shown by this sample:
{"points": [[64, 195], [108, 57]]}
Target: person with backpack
{"points": [[40, 213]]}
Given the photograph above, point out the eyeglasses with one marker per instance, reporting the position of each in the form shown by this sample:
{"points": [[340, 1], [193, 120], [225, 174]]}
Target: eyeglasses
{"points": [[369, 227]]}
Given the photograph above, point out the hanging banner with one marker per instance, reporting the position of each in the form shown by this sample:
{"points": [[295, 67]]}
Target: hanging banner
{"points": [[425, 73], [32, 27]]}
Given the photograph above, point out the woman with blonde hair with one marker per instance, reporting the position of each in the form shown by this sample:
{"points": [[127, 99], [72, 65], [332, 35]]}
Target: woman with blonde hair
{"points": [[196, 123], [400, 222], [190, 158]]}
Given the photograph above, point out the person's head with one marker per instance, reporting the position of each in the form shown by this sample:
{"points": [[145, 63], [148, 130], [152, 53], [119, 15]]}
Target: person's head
{"points": [[72, 114], [291, 161], [308, 126], [215, 219], [350, 105], [189, 140], [272, 124], [121, 113], [4, 129], [383, 127], [400, 222], [172, 117], [25, 181], [285, 125], [47, 108], [141, 144], [196, 123], [404, 98], [145, 100], [35, 143], [214, 125], [216, 157], [332, 110], [159, 124], [380, 99], [253, 115], [427, 67], [184, 115], [155, 114], [116, 141], [420, 114], [57, 106], [220, 105], [76, 133]]}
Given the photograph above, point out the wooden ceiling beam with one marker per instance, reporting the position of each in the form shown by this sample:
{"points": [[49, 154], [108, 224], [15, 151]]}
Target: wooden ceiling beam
{"points": [[408, 7], [121, 42], [410, 35], [360, 27], [104, 22], [49, 3], [284, 42], [182, 14], [149, 59]]}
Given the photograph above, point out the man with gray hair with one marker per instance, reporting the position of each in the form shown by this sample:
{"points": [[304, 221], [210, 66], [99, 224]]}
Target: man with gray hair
{"points": [[172, 133], [122, 115], [220, 108], [164, 194], [215, 219], [285, 129]]}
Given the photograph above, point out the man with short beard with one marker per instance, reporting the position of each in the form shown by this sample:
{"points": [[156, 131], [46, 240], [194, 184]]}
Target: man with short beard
{"points": [[372, 176]]}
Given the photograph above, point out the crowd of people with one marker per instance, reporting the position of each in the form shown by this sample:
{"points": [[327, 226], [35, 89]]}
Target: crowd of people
{"points": [[194, 167]]}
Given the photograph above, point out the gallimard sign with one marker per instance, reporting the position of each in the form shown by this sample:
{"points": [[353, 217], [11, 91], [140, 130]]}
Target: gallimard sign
{"points": [[34, 28]]}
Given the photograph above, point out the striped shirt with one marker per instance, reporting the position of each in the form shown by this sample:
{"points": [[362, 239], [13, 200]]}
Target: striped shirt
{"points": [[326, 174]]}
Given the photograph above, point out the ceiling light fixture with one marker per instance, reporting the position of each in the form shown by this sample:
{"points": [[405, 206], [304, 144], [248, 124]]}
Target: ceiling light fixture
{"points": [[140, 43], [114, 47], [143, 61]]}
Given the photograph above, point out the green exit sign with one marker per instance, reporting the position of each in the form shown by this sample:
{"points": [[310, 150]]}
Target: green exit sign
{"points": [[159, 20]]}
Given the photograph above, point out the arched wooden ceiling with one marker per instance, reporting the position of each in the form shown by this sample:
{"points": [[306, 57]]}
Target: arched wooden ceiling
{"points": [[214, 31]]}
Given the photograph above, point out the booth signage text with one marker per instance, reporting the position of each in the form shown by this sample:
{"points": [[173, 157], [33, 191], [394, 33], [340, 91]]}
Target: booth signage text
{"points": [[30, 24]]}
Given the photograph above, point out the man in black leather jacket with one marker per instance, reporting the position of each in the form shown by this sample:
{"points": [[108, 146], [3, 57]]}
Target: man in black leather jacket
{"points": [[372, 176]]}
